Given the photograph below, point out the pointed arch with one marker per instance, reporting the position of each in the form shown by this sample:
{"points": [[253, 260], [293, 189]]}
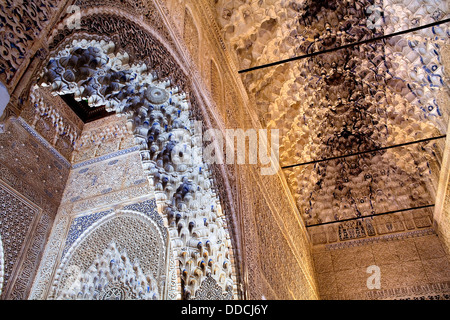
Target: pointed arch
{"points": [[131, 236], [158, 113]]}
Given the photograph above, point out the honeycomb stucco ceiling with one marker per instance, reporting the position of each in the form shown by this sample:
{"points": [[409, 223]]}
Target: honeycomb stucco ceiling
{"points": [[361, 98]]}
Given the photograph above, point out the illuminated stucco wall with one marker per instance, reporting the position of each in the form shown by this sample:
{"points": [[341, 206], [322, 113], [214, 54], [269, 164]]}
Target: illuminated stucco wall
{"points": [[274, 250], [32, 180], [411, 266]]}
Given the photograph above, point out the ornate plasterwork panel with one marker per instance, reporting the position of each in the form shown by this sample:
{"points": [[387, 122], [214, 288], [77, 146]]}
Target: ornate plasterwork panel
{"points": [[83, 221], [439, 291], [100, 178], [80, 225], [253, 276], [275, 247], [145, 9], [17, 216], [21, 220], [413, 265], [33, 160], [31, 260], [36, 172], [172, 286], [50, 257], [53, 120], [130, 236], [21, 23], [102, 137]]}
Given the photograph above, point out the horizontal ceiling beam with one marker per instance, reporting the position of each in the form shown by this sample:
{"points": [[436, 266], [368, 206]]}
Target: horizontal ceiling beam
{"points": [[346, 46], [370, 216], [363, 152]]}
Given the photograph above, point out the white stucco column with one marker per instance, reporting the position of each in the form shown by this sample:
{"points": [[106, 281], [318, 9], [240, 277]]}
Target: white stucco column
{"points": [[4, 99]]}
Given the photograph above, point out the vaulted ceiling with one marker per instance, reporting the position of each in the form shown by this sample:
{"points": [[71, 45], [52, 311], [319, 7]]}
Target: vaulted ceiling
{"points": [[360, 98]]}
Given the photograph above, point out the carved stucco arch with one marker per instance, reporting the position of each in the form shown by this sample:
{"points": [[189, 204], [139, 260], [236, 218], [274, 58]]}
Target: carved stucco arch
{"points": [[175, 59], [231, 276], [146, 253], [114, 24]]}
